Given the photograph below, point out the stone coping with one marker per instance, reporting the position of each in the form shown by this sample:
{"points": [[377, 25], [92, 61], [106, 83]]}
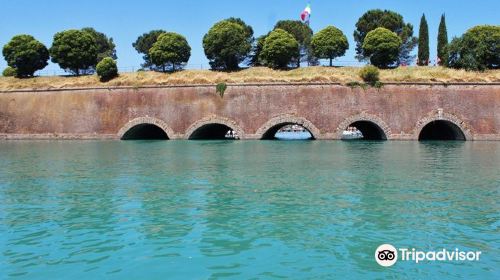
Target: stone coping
{"points": [[443, 84]]}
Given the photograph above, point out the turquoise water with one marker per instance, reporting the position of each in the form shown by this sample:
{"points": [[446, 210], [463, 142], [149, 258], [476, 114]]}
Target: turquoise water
{"points": [[245, 209]]}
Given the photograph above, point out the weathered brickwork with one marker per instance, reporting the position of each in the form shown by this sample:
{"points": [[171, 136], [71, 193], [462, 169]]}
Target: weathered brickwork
{"points": [[400, 111]]}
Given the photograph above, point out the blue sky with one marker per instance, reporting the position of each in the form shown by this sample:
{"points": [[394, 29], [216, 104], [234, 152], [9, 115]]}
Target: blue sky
{"points": [[125, 20]]}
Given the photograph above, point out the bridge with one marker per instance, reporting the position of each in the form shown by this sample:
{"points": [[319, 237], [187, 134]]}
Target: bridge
{"points": [[254, 111]]}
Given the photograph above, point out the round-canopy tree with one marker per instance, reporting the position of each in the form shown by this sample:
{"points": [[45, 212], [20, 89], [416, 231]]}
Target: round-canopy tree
{"points": [[26, 55], [373, 19], [248, 29], [382, 47], [170, 49], [226, 45], [280, 47], [144, 43], [74, 50], [105, 46], [329, 43], [477, 49], [302, 33]]}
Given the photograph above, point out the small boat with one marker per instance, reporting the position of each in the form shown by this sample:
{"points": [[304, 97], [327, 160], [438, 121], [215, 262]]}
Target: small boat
{"points": [[352, 133], [232, 135]]}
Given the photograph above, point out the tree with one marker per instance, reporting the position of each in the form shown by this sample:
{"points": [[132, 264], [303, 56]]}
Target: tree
{"points": [[477, 49], [302, 33], [442, 41], [389, 20], [257, 50], [74, 51], [170, 49], [248, 29], [26, 55], [105, 46], [329, 43], [423, 42], [226, 45], [106, 69], [248, 35], [280, 47], [382, 47], [144, 43]]}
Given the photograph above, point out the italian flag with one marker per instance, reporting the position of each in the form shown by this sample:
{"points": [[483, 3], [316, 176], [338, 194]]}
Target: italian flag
{"points": [[306, 14]]}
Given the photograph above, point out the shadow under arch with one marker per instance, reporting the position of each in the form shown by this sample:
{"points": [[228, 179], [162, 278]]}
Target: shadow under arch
{"points": [[372, 127], [212, 128], [442, 126], [269, 129], [145, 128]]}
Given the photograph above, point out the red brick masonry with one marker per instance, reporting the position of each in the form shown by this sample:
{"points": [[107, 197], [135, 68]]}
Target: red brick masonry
{"points": [[401, 110]]}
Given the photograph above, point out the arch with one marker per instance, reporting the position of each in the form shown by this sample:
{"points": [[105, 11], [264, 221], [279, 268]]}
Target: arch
{"points": [[372, 127], [145, 123], [269, 129], [452, 127], [212, 123]]}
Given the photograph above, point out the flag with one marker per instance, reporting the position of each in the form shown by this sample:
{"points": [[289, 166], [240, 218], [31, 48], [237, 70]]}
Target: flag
{"points": [[306, 14]]}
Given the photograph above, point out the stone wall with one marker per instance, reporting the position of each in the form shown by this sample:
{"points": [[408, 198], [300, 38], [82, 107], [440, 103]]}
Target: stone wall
{"points": [[400, 110]]}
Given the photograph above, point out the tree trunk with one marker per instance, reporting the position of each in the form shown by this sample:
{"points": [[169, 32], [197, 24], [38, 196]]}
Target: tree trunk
{"points": [[331, 62]]}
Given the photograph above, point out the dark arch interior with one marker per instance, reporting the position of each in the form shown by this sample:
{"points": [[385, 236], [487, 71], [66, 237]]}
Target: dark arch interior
{"points": [[213, 131], [441, 130], [145, 131], [370, 130], [270, 133]]}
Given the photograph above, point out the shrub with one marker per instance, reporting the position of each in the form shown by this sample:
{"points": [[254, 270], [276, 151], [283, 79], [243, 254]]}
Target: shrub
{"points": [[382, 47], [280, 47], [9, 72], [370, 74], [26, 55], [106, 69], [220, 88], [170, 49], [74, 51]]}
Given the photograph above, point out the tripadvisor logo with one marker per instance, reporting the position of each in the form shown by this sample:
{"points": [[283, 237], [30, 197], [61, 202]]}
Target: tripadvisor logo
{"points": [[387, 255]]}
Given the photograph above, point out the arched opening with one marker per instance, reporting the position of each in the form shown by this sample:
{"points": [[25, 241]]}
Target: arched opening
{"points": [[214, 131], [288, 131], [145, 131], [363, 130], [441, 130]]}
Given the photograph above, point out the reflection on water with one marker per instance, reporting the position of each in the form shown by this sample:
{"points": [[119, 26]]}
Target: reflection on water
{"points": [[246, 209]]}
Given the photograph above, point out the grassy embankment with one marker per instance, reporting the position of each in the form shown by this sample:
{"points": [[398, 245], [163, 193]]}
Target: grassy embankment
{"points": [[342, 75]]}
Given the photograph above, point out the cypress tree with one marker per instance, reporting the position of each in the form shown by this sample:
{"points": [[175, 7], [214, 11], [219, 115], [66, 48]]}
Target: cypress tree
{"points": [[423, 42], [442, 53]]}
